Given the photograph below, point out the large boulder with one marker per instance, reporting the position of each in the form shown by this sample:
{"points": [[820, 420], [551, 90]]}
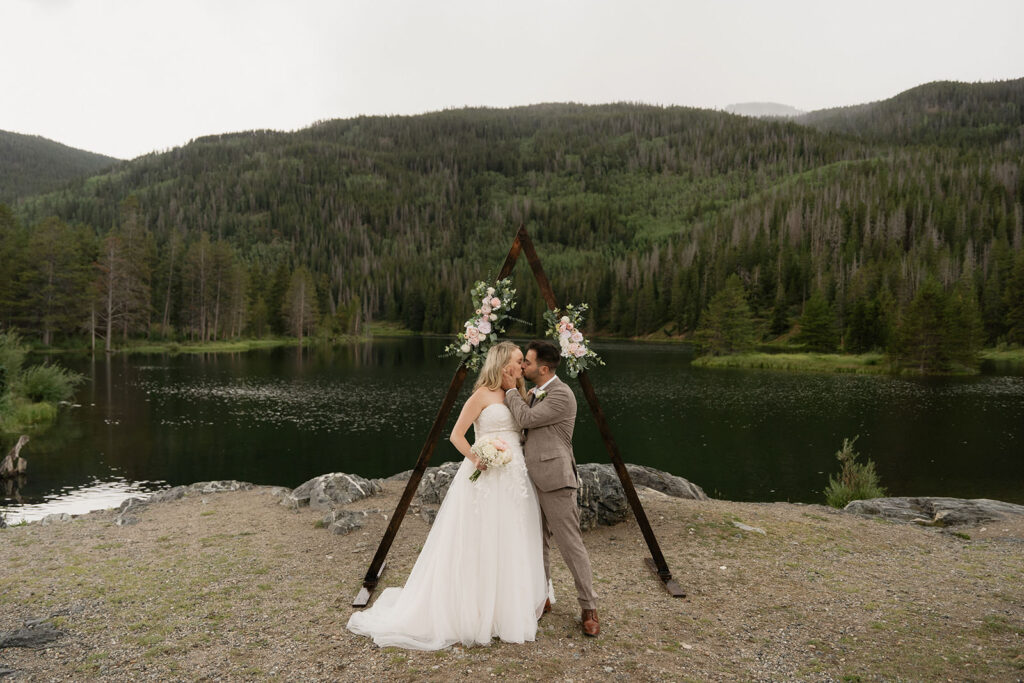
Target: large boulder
{"points": [[329, 491], [435, 482], [935, 511], [602, 499]]}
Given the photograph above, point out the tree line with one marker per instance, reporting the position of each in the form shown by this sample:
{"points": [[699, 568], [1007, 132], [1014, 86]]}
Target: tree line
{"points": [[643, 212]]}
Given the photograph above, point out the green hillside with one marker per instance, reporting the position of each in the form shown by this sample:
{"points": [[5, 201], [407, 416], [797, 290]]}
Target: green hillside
{"points": [[31, 165], [642, 211], [944, 112]]}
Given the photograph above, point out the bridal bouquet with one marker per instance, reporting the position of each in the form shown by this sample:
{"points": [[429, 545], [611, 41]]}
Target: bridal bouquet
{"points": [[492, 453], [565, 330], [494, 304]]}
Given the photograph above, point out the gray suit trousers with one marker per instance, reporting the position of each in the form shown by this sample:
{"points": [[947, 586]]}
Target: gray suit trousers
{"points": [[561, 517]]}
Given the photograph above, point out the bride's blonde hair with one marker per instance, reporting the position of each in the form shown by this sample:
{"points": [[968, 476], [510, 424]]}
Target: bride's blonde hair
{"points": [[497, 358]]}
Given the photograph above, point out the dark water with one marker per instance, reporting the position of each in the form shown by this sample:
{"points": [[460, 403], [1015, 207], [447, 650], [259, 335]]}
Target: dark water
{"points": [[278, 417]]}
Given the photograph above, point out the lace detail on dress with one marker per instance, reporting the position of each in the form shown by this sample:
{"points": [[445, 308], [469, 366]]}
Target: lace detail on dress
{"points": [[499, 423]]}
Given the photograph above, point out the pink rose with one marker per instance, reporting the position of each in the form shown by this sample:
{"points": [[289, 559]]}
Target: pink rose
{"points": [[484, 326], [577, 336], [580, 351], [495, 302], [485, 309], [573, 348], [569, 327]]}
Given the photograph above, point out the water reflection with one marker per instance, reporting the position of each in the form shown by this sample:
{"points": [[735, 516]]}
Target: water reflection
{"points": [[77, 500]]}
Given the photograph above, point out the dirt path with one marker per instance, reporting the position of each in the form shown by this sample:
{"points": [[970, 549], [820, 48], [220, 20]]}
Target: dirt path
{"points": [[234, 586]]}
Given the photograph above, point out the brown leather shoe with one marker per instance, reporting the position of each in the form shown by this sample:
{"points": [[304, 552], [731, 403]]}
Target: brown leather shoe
{"points": [[547, 605], [590, 625]]}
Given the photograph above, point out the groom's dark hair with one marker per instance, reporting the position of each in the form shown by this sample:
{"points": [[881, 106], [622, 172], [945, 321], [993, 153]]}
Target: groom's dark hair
{"points": [[547, 353]]}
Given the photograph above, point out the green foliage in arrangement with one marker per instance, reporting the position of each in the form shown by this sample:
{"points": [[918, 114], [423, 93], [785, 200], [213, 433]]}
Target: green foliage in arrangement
{"points": [[856, 481], [644, 212]]}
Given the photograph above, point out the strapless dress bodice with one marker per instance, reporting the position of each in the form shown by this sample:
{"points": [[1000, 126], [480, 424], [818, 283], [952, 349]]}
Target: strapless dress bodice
{"points": [[495, 419]]}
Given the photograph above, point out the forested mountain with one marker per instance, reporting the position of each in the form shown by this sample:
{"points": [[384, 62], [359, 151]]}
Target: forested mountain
{"points": [[30, 164], [943, 112], [643, 212]]}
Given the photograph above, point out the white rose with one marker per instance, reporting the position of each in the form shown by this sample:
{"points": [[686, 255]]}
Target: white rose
{"points": [[490, 291], [484, 326], [494, 316], [464, 348], [577, 336], [564, 320]]}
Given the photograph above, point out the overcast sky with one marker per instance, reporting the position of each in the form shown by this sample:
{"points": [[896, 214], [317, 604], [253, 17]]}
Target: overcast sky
{"points": [[126, 77]]}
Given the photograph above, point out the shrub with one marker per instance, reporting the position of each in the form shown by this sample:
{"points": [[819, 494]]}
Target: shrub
{"points": [[48, 383], [856, 481]]}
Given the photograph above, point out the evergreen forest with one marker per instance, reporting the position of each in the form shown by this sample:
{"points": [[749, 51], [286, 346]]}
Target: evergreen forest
{"points": [[896, 226]]}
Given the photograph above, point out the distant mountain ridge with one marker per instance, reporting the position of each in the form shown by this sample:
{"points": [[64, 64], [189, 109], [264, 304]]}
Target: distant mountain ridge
{"points": [[944, 112], [30, 164], [762, 109]]}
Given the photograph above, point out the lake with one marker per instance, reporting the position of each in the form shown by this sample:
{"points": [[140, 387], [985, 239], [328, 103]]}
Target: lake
{"points": [[281, 417]]}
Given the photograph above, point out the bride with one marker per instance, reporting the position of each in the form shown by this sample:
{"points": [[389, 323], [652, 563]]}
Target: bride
{"points": [[480, 573]]}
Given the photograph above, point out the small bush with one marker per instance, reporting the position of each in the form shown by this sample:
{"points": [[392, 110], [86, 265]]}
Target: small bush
{"points": [[856, 481], [48, 383]]}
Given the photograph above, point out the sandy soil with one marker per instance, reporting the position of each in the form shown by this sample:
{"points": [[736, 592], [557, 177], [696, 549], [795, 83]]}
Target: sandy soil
{"points": [[233, 586]]}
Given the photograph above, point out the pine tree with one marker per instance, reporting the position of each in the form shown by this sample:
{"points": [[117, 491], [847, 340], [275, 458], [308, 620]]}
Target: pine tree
{"points": [[920, 335], [54, 284], [299, 308], [817, 325], [1013, 297], [728, 325]]}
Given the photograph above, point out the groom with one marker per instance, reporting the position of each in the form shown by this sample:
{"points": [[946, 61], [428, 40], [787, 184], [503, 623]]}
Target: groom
{"points": [[548, 419]]}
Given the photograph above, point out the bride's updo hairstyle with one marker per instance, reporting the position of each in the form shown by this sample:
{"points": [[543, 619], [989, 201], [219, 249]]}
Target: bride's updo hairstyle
{"points": [[498, 356]]}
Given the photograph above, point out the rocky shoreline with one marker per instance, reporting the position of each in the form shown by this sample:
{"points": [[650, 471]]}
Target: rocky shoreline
{"points": [[226, 580]]}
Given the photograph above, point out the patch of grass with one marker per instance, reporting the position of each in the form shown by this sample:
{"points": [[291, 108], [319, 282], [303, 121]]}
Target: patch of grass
{"points": [[863, 364], [960, 534], [997, 623]]}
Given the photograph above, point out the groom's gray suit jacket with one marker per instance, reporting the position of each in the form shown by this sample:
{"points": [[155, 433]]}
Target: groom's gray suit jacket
{"points": [[549, 423]]}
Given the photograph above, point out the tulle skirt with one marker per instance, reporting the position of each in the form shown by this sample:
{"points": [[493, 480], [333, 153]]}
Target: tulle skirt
{"points": [[480, 574]]}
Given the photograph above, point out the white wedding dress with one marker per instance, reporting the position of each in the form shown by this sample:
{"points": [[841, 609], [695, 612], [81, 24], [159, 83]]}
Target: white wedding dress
{"points": [[481, 571]]}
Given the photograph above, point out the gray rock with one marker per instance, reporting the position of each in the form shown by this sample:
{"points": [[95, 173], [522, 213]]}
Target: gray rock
{"points": [[428, 513], [666, 483], [331, 490], [34, 634], [221, 486], [935, 511], [401, 476], [600, 496], [55, 518], [435, 482], [126, 520], [344, 521], [752, 529], [176, 493], [602, 499]]}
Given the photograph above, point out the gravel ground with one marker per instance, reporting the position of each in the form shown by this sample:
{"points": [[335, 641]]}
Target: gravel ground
{"points": [[233, 586]]}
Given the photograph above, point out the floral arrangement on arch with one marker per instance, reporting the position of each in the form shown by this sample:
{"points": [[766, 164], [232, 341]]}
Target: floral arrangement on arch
{"points": [[493, 307], [565, 330]]}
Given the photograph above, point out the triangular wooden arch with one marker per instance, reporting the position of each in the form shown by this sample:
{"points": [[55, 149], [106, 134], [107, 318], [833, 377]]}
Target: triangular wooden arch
{"points": [[656, 563]]}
